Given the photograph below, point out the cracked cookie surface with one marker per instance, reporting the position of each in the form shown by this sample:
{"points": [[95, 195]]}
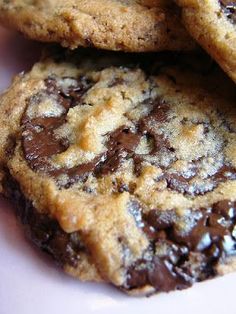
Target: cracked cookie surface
{"points": [[129, 167], [213, 24], [129, 25]]}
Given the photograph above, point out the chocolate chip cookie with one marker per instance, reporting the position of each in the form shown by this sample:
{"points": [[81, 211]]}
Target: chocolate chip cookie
{"points": [[213, 24], [131, 25], [123, 168]]}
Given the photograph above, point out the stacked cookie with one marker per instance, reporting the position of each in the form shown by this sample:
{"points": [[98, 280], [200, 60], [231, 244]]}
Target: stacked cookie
{"points": [[122, 166]]}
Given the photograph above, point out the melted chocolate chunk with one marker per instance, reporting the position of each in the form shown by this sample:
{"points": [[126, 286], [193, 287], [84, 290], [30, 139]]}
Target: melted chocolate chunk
{"points": [[160, 219], [158, 273], [182, 184], [184, 249], [120, 146], [38, 137], [148, 125], [229, 9], [178, 183], [224, 173], [71, 91], [75, 174], [74, 93], [39, 141], [44, 231], [225, 209]]}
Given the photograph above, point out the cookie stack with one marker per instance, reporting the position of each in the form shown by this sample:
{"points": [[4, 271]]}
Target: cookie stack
{"points": [[122, 165]]}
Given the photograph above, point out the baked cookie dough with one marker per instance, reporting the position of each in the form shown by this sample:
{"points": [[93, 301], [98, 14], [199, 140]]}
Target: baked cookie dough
{"points": [[213, 24], [129, 25], [125, 169]]}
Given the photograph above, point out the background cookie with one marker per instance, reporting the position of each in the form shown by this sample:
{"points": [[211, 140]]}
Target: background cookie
{"points": [[115, 25], [139, 160], [212, 24]]}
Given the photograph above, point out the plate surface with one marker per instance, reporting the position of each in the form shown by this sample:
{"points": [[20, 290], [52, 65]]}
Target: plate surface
{"points": [[29, 282]]}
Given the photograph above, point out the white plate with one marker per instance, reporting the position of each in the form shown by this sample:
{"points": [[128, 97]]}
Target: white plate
{"points": [[29, 282]]}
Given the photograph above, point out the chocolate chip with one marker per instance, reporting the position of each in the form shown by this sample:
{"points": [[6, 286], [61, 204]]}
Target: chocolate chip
{"points": [[74, 92], [225, 208], [160, 219], [157, 273], [39, 141], [178, 183], [148, 125], [121, 144]]}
